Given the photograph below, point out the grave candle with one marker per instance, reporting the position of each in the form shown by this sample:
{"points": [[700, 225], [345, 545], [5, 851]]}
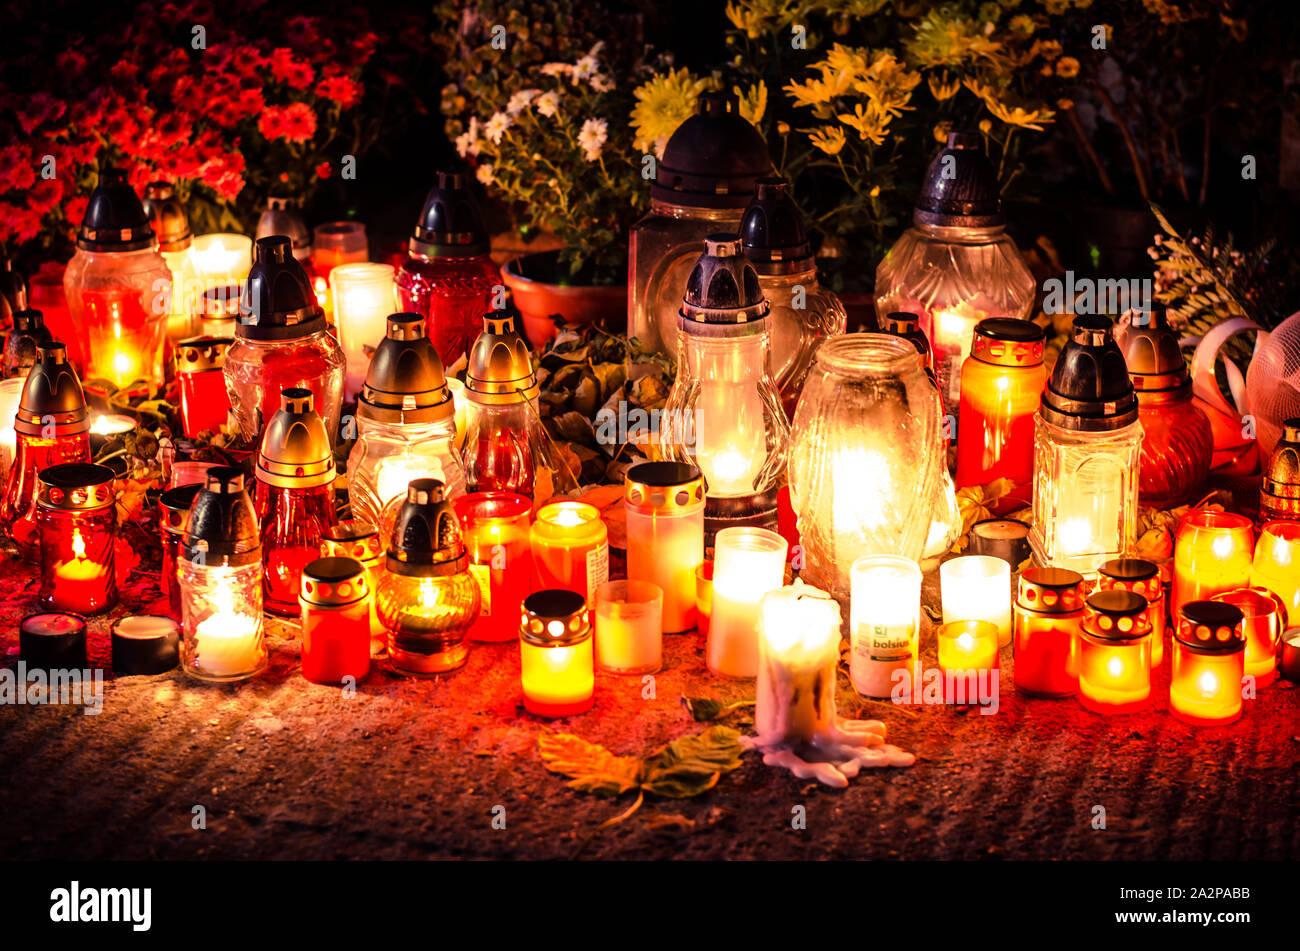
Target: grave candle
{"points": [[799, 647], [748, 563], [1276, 565], [1212, 554], [977, 588], [495, 532], [570, 547], [1048, 616], [629, 632], [557, 667], [1264, 619], [884, 621], [1115, 653], [335, 604], [1208, 664]]}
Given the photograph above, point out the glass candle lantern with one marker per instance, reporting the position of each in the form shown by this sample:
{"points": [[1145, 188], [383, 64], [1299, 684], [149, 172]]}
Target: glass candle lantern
{"points": [[956, 265], [556, 655], [50, 428], [629, 627], [802, 311], [47, 295], [494, 526], [707, 174], [977, 588], [222, 260], [1177, 442], [281, 341], [1264, 620], [1047, 621], [294, 499], [364, 296], [427, 599], [359, 540], [282, 216], [1115, 653], [664, 506], [747, 564], [1279, 494], [504, 440], [171, 226], [864, 489], [884, 622], [1087, 443], [118, 286], [1001, 385], [406, 426], [1276, 565], [799, 650], [11, 394], [570, 546], [220, 577], [216, 312], [174, 518], [449, 277], [77, 523], [724, 412], [25, 336], [1140, 577], [1213, 552], [335, 610], [1208, 664], [205, 402]]}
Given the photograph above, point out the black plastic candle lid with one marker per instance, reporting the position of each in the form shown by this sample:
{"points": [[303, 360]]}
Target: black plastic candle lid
{"points": [[146, 644], [279, 302], [544, 610], [960, 187], [451, 224], [1211, 627], [714, 159], [115, 218], [53, 640]]}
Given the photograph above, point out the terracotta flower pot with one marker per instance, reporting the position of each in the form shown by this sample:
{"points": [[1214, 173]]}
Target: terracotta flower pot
{"points": [[540, 290]]}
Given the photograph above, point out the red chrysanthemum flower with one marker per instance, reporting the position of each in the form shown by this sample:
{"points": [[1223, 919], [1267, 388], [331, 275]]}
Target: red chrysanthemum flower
{"points": [[323, 170], [287, 68], [340, 89], [298, 122]]}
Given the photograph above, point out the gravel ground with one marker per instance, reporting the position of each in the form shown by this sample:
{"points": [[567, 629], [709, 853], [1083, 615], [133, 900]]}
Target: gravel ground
{"points": [[414, 769]]}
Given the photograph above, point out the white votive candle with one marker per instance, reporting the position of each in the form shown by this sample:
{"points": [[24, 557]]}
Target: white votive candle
{"points": [[747, 564], [977, 588], [799, 629], [884, 621]]}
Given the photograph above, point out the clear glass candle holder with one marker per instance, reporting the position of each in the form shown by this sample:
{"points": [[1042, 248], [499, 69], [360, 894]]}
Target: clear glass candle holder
{"points": [[629, 627], [977, 588]]}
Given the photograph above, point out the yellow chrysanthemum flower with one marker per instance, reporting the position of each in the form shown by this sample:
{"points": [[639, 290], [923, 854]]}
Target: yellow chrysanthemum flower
{"points": [[753, 102], [829, 138], [663, 102], [1067, 67], [1019, 116], [870, 122], [941, 86]]}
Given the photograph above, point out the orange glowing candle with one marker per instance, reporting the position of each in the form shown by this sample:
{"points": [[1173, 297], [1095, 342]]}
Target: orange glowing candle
{"points": [[1140, 577], [556, 654], [1264, 620], [1115, 653], [1047, 620], [496, 538], [1209, 663], [968, 645], [570, 548], [1277, 564], [1212, 554]]}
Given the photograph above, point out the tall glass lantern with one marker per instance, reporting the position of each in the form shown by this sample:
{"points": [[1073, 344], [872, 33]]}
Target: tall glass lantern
{"points": [[294, 498], [281, 341], [504, 441], [803, 312], [1177, 442], [119, 288], [449, 277], [406, 422], [724, 413], [171, 225], [1086, 455], [858, 487], [956, 265], [704, 180]]}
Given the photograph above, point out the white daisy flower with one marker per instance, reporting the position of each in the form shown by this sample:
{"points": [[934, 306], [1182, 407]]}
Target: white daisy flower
{"points": [[467, 142], [585, 68], [548, 103], [601, 83], [556, 69], [484, 174], [520, 100], [592, 138], [496, 127]]}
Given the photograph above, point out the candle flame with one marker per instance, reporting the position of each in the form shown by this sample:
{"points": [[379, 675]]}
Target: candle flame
{"points": [[1223, 546], [567, 516], [966, 642], [1115, 667], [78, 545], [1208, 683]]}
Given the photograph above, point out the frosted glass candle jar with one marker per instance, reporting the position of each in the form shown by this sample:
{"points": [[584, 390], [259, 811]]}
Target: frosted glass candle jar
{"points": [[1277, 564], [629, 619], [570, 547], [977, 588], [884, 621], [664, 505], [747, 564], [221, 260], [1264, 620], [1212, 554], [364, 296]]}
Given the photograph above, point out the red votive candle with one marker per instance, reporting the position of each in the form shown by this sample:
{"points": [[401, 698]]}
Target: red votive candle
{"points": [[495, 531], [205, 401], [335, 603], [77, 525], [1046, 624]]}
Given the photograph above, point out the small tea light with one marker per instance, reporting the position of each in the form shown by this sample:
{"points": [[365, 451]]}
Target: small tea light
{"points": [[557, 663], [1212, 554], [1290, 665], [570, 546], [1003, 538], [629, 631], [113, 424], [1140, 577], [1264, 619], [1115, 653], [1048, 620], [977, 588], [968, 645], [1209, 663], [145, 644], [53, 641]]}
